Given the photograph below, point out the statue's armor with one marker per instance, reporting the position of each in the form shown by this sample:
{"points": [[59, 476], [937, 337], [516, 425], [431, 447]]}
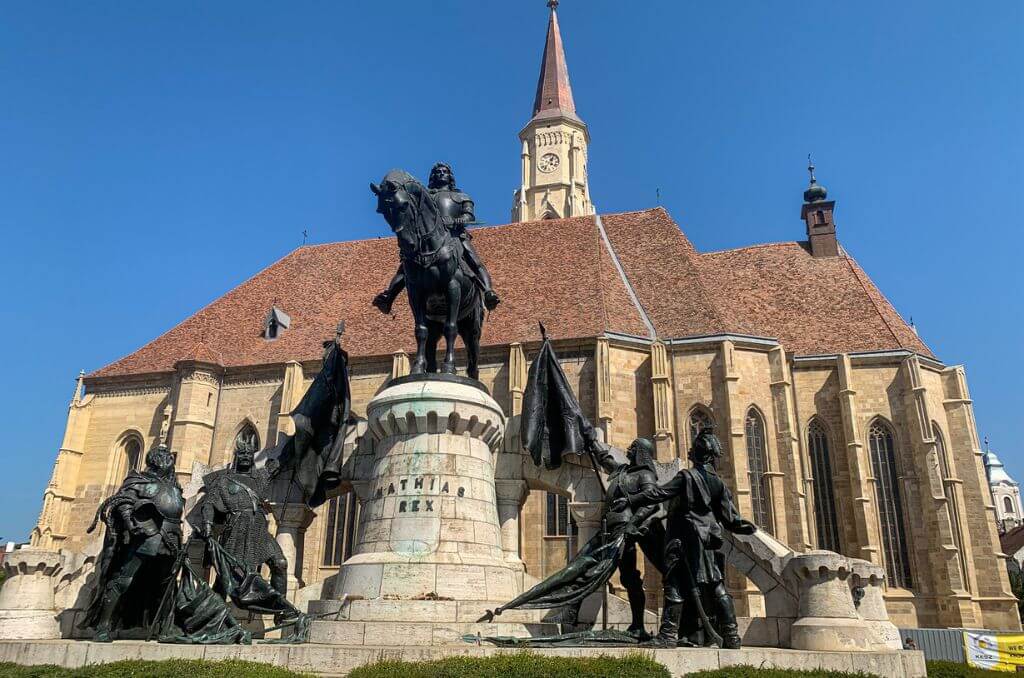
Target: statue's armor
{"points": [[623, 482], [158, 512], [456, 210], [143, 536], [238, 498]]}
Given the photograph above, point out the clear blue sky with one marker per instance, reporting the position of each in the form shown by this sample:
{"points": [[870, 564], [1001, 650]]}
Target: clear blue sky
{"points": [[155, 154]]}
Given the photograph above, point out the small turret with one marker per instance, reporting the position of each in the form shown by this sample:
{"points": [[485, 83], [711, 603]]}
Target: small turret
{"points": [[817, 213]]}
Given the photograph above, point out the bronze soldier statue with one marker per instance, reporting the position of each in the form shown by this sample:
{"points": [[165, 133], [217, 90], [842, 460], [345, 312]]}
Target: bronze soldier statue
{"points": [[456, 210], [623, 528], [641, 527], [700, 505], [237, 498], [142, 541]]}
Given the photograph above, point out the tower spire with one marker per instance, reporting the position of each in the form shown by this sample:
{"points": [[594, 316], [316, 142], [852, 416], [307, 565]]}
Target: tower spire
{"points": [[554, 142], [553, 90]]}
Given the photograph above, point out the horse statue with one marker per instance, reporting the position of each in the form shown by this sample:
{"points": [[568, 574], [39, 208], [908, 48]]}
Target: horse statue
{"points": [[444, 297]]}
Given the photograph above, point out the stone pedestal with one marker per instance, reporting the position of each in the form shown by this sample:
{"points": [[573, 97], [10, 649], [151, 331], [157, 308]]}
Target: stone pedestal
{"points": [[292, 521], [868, 579], [26, 597], [429, 525], [827, 619], [429, 557]]}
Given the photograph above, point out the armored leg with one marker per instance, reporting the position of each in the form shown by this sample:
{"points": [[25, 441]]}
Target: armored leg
{"points": [[385, 299], [668, 633], [279, 574], [113, 592], [491, 299], [726, 617], [630, 577]]}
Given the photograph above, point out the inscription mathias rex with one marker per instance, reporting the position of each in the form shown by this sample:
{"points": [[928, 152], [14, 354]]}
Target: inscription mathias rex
{"points": [[419, 484]]}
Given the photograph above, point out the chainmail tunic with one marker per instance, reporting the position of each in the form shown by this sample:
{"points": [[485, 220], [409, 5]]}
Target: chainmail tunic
{"points": [[237, 499]]}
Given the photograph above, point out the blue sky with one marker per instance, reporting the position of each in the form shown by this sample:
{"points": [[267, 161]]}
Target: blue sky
{"points": [[153, 155]]}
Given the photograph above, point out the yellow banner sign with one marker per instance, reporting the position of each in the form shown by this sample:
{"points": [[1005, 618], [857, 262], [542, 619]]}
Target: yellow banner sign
{"points": [[995, 652]]}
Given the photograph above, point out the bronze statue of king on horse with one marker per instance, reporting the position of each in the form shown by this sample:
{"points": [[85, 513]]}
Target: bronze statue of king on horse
{"points": [[446, 294]]}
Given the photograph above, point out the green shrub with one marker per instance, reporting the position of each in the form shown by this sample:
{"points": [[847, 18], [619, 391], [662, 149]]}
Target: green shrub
{"points": [[521, 665], [171, 668], [958, 670]]}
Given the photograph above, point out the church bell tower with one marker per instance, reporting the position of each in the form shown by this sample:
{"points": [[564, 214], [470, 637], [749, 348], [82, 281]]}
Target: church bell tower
{"points": [[554, 143]]}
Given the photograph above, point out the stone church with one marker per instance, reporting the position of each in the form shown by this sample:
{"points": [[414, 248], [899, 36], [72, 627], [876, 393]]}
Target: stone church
{"points": [[842, 430]]}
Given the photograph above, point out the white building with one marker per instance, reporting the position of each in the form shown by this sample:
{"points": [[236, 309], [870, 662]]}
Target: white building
{"points": [[1005, 493]]}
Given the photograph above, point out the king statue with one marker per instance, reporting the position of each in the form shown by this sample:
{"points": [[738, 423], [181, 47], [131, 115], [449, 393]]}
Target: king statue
{"points": [[456, 210]]}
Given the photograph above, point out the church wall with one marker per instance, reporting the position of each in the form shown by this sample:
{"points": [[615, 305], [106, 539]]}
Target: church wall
{"points": [[997, 607], [816, 392], [632, 407], [692, 376], [255, 400]]}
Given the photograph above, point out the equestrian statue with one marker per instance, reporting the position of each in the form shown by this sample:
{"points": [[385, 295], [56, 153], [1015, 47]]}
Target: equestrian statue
{"points": [[447, 283]]}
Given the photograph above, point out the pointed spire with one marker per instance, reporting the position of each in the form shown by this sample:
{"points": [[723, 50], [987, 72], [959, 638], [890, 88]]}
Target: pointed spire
{"points": [[553, 90], [815, 192]]}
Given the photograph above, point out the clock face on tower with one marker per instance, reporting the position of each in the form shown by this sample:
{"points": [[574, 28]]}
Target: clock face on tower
{"points": [[548, 162]]}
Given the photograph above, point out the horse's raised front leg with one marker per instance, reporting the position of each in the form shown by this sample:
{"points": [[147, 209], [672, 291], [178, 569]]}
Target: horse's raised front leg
{"points": [[451, 324], [419, 313]]}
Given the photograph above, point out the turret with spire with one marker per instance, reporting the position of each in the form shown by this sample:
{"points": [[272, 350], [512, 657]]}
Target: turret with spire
{"points": [[554, 142], [817, 215]]}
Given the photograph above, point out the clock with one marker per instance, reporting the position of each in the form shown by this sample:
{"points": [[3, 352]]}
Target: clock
{"points": [[548, 162]]}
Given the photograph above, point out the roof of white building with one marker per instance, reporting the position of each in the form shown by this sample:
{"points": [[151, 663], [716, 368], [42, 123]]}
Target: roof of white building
{"points": [[995, 470]]}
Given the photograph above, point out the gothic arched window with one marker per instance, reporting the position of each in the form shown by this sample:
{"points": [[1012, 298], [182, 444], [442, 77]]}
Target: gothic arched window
{"points": [[132, 450], [824, 493], [339, 530], [247, 434], [126, 455], [757, 470], [882, 444], [700, 418], [1008, 505]]}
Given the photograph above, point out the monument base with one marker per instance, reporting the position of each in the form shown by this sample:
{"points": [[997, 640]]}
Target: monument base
{"points": [[419, 623], [339, 660]]}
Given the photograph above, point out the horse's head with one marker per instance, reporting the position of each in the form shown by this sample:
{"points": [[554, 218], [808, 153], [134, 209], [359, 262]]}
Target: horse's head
{"points": [[395, 198]]}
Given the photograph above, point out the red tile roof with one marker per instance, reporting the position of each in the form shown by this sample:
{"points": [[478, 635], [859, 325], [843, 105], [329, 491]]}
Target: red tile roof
{"points": [[559, 272], [812, 305]]}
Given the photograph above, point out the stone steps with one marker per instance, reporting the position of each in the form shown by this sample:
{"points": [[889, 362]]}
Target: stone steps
{"points": [[334, 660], [462, 611], [417, 633]]}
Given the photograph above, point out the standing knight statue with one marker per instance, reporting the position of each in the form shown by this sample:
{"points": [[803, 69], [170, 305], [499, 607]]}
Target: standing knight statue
{"points": [[456, 210], [615, 547], [236, 497], [700, 505], [625, 477], [142, 541]]}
